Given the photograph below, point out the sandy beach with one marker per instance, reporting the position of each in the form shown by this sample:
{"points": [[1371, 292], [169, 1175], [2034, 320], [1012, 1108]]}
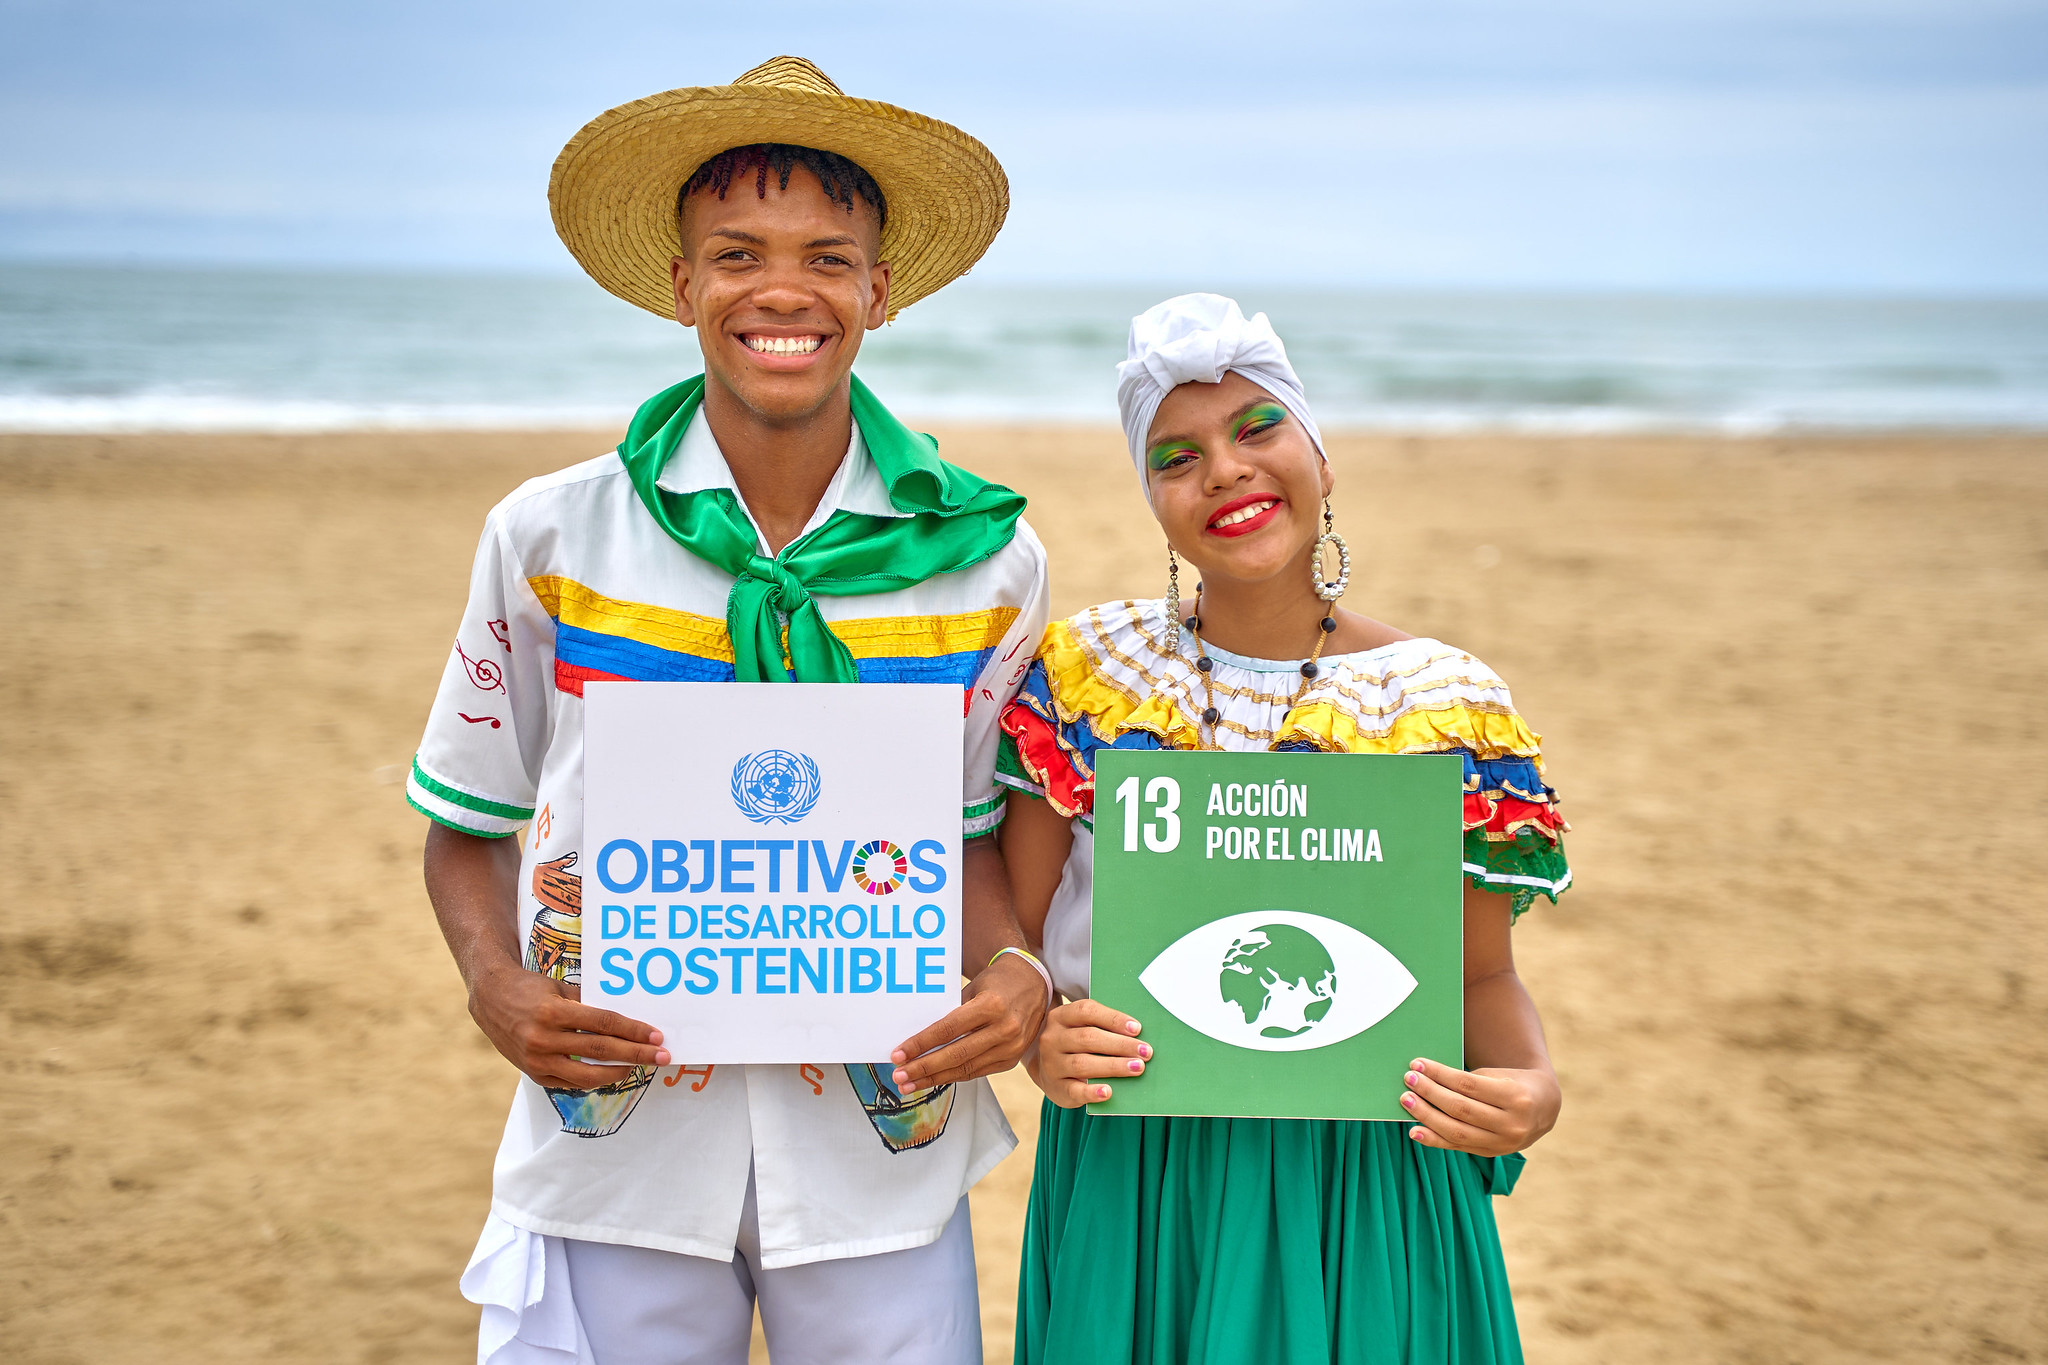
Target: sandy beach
{"points": [[1797, 1001]]}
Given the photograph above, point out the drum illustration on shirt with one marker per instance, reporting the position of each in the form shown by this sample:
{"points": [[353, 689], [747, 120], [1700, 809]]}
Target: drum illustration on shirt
{"points": [[555, 948], [903, 1122]]}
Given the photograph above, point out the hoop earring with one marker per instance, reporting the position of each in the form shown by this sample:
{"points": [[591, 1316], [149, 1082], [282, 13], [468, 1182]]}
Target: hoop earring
{"points": [[1330, 591], [1172, 602]]}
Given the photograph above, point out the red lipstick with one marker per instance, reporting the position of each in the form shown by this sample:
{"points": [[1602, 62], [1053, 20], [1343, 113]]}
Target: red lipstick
{"points": [[1249, 524]]}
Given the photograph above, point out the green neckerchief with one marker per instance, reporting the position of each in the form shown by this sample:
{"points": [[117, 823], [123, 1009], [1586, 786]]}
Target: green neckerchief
{"points": [[954, 520]]}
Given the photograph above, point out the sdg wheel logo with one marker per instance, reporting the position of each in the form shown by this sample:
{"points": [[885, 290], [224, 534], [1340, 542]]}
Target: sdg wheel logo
{"points": [[880, 867], [775, 784]]}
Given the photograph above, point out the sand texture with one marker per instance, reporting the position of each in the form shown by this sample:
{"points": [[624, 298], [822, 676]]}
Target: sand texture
{"points": [[1798, 1000]]}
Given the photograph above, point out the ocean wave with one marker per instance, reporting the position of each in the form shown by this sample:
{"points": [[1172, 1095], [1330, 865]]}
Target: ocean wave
{"points": [[59, 415], [99, 349]]}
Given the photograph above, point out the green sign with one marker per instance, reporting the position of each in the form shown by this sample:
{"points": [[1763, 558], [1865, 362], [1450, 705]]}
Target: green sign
{"points": [[1288, 927]]}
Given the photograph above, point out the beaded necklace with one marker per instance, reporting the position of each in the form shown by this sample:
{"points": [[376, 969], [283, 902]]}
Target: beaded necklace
{"points": [[1204, 665]]}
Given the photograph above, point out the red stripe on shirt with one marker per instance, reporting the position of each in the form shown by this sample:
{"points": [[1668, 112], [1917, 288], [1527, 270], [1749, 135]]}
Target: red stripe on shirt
{"points": [[571, 677]]}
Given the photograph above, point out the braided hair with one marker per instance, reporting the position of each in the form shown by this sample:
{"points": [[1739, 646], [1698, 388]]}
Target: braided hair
{"points": [[842, 179]]}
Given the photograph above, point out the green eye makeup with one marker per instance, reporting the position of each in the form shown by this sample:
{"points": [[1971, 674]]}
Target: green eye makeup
{"points": [[1166, 452], [1258, 419], [1250, 422]]}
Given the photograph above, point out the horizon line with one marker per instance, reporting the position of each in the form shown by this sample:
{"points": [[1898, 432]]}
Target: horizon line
{"points": [[1700, 291]]}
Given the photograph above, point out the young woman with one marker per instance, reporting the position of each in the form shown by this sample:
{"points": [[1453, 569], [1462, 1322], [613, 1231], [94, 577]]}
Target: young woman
{"points": [[1243, 1241]]}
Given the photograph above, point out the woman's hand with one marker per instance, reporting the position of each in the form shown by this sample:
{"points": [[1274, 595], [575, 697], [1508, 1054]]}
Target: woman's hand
{"points": [[1084, 1042], [1489, 1112]]}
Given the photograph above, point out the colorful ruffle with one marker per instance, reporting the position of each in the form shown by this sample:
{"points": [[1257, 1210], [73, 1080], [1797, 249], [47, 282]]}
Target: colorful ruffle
{"points": [[1067, 710], [1504, 796], [1056, 752], [1483, 730], [1521, 870], [1076, 694]]}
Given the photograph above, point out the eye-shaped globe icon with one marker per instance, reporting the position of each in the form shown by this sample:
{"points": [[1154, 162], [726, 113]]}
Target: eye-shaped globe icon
{"points": [[1278, 980]]}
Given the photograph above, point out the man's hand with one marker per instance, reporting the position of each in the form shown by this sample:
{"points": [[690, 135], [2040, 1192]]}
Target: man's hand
{"points": [[999, 1017], [537, 1022], [543, 1028], [1488, 1112]]}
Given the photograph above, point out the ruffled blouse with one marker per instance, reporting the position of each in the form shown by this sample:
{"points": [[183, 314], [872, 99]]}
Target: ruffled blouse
{"points": [[1105, 680]]}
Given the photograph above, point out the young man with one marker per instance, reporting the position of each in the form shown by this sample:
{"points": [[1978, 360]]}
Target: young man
{"points": [[768, 521]]}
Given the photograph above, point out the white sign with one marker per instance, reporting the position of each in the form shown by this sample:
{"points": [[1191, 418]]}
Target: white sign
{"points": [[773, 868]]}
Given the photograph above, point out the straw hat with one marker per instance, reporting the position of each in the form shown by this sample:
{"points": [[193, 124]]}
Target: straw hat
{"points": [[613, 191]]}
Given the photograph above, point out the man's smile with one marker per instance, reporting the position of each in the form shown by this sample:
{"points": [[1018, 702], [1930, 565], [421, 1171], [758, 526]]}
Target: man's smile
{"points": [[763, 344]]}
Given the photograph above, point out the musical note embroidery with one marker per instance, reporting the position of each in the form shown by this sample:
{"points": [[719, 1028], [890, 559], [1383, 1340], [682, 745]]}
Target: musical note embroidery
{"points": [[814, 1075], [484, 675], [1022, 668], [503, 633], [478, 720], [704, 1072], [543, 824]]}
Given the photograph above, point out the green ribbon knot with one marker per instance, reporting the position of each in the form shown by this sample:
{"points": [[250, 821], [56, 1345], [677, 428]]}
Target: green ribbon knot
{"points": [[952, 521], [759, 599]]}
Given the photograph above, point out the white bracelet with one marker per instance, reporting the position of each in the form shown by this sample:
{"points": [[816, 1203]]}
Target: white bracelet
{"points": [[1036, 966]]}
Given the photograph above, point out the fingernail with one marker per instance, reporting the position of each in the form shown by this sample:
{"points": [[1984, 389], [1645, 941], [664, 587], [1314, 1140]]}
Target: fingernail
{"points": [[1418, 1064], [1415, 1135], [1136, 1066], [1145, 1051], [1413, 1078], [1130, 1026], [902, 1079], [899, 1055], [654, 1037], [661, 1057], [1101, 1092], [1407, 1101]]}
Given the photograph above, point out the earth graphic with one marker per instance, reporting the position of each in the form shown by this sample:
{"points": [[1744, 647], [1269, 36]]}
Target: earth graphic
{"points": [[1280, 978]]}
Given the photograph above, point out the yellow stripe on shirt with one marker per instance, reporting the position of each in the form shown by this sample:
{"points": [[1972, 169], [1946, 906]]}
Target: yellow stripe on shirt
{"points": [[685, 632], [865, 637]]}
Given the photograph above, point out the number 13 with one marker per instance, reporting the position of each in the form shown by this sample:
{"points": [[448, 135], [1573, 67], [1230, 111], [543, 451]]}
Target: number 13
{"points": [[1162, 832]]}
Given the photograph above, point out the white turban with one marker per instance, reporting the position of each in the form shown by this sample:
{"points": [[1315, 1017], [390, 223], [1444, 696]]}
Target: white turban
{"points": [[1197, 339]]}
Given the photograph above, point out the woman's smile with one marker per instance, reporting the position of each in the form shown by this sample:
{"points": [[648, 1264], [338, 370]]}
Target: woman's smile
{"points": [[1242, 516]]}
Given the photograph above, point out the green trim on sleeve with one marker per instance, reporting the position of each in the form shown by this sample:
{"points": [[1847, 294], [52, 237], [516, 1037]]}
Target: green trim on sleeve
{"points": [[441, 819], [1522, 869], [983, 817], [1023, 786], [465, 800], [1008, 763], [1010, 771]]}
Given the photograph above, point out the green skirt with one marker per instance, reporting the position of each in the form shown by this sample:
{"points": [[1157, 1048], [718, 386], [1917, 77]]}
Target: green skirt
{"points": [[1185, 1241]]}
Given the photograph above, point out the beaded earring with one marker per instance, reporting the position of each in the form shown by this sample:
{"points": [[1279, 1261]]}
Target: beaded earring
{"points": [[1330, 591], [1172, 602]]}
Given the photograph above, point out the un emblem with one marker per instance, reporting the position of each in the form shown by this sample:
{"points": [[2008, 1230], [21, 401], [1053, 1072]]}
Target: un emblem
{"points": [[775, 785]]}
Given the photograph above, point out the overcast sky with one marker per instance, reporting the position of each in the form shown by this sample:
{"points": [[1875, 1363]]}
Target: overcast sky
{"points": [[1889, 145]]}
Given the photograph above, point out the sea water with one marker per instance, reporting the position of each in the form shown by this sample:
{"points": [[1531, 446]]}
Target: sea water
{"points": [[114, 348]]}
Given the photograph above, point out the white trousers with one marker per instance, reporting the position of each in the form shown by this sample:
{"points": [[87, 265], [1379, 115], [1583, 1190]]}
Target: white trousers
{"points": [[633, 1306]]}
